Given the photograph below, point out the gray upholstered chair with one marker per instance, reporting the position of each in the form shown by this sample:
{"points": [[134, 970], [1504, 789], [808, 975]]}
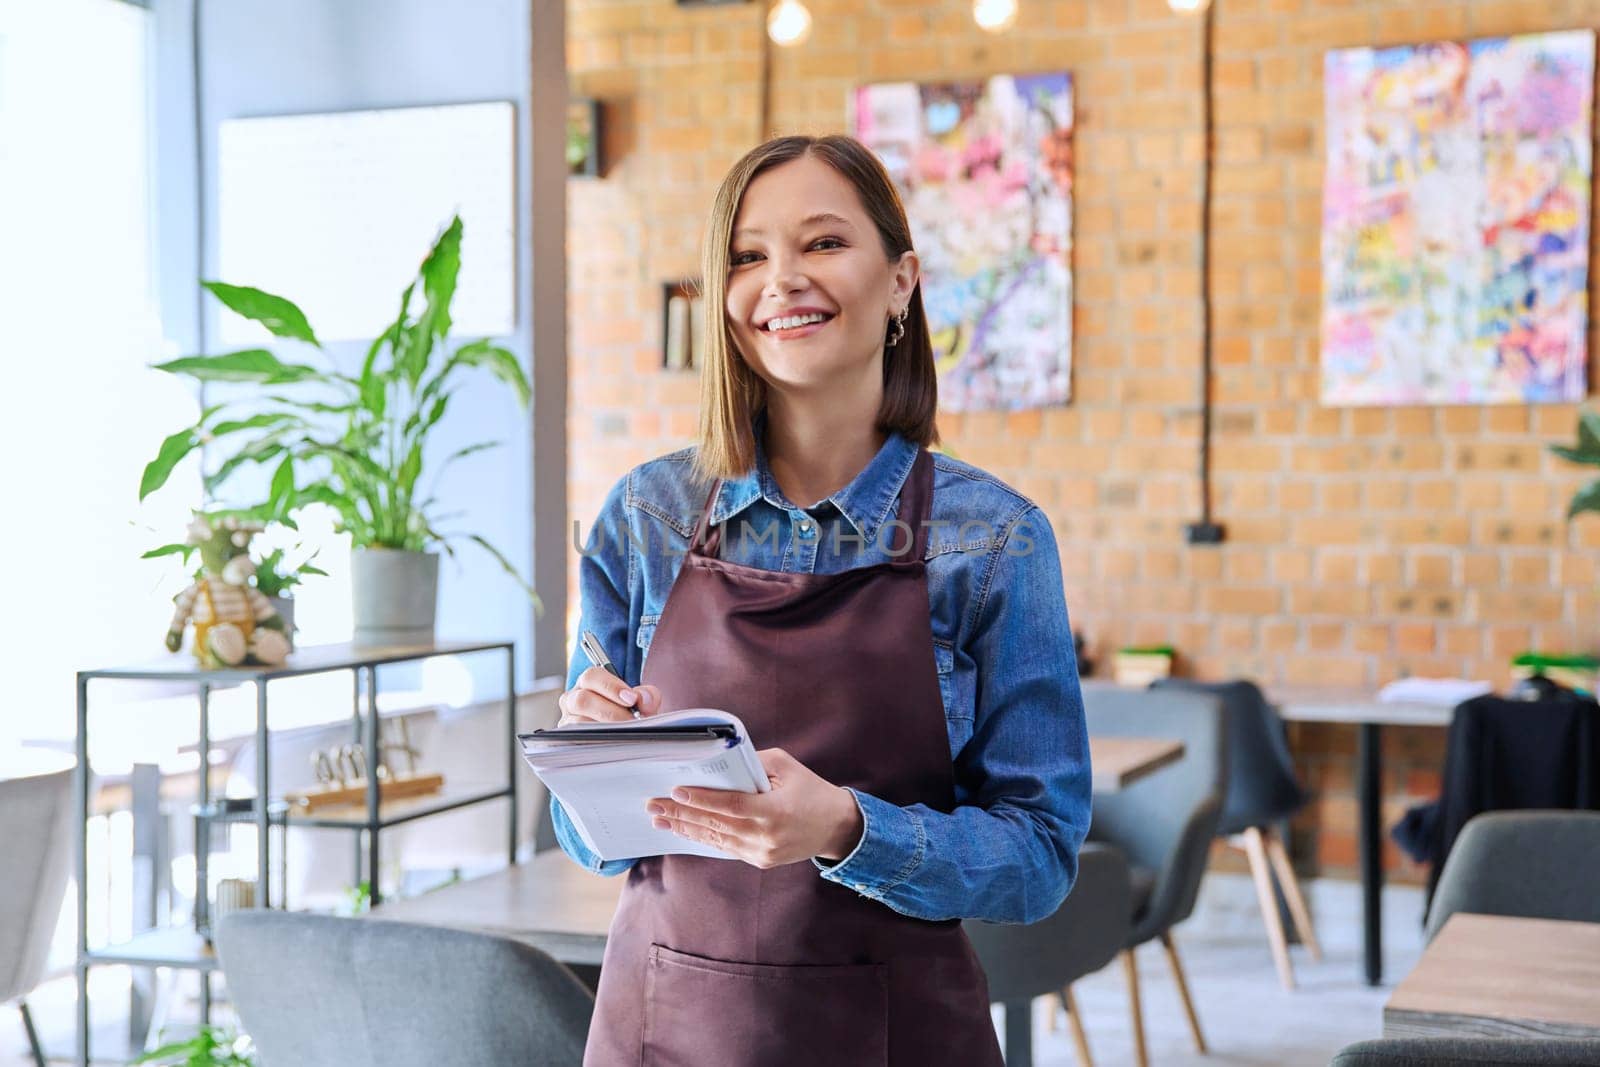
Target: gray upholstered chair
{"points": [[319, 991], [1164, 823], [1262, 791], [36, 826], [1046, 957], [1532, 864], [1477, 1051]]}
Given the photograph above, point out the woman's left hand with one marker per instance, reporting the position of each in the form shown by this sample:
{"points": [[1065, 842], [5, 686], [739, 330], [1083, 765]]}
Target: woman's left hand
{"points": [[801, 817]]}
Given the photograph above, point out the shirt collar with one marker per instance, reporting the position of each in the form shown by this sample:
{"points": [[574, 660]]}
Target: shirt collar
{"points": [[866, 502]]}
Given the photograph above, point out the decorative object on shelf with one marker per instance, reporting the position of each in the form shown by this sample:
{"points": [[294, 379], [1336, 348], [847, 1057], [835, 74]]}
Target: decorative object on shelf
{"points": [[357, 443], [985, 169], [585, 136], [342, 772], [682, 325], [211, 1046], [278, 574], [1455, 221], [1141, 665], [233, 894], [233, 622]]}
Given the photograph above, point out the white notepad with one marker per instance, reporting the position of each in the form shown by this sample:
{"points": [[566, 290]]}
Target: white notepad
{"points": [[605, 773]]}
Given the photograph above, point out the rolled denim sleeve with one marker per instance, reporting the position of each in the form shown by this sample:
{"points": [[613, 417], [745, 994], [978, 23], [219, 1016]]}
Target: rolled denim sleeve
{"points": [[604, 587], [1009, 851]]}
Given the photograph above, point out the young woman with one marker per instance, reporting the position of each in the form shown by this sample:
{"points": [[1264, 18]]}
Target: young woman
{"points": [[888, 623]]}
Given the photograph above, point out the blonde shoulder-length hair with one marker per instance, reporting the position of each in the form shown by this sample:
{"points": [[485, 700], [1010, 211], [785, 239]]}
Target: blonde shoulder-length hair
{"points": [[730, 391]]}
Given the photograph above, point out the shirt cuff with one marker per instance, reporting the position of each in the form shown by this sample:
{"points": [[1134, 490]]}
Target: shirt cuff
{"points": [[571, 843], [891, 848]]}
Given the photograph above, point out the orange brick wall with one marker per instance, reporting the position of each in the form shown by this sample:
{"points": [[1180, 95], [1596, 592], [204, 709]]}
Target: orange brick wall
{"points": [[1362, 544]]}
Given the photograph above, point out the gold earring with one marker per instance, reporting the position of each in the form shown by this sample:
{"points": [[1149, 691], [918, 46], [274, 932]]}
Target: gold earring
{"points": [[898, 327]]}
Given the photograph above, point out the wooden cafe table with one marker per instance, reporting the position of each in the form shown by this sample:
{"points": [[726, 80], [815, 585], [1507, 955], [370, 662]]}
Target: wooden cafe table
{"points": [[554, 905], [1498, 976]]}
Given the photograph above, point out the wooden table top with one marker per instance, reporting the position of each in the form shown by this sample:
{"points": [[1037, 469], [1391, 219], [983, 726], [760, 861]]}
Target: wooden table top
{"points": [[1331, 704], [548, 902], [1497, 976], [1120, 761], [553, 904]]}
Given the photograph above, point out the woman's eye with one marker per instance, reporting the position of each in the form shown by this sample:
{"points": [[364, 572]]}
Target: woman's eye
{"points": [[741, 258], [830, 242]]}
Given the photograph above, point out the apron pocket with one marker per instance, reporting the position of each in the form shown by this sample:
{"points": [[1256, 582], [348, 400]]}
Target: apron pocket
{"points": [[701, 1011]]}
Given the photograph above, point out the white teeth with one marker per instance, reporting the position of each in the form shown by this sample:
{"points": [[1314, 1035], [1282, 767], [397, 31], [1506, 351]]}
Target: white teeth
{"points": [[796, 320]]}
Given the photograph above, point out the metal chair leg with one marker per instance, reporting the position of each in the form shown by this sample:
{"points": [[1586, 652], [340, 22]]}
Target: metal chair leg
{"points": [[33, 1035]]}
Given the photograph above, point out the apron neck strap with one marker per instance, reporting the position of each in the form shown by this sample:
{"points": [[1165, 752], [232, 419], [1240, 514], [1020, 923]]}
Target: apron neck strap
{"points": [[916, 497], [700, 543], [916, 506]]}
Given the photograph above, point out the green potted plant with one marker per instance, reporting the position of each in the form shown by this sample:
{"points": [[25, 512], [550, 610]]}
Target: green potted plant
{"points": [[278, 573], [1585, 451], [211, 1046], [355, 442]]}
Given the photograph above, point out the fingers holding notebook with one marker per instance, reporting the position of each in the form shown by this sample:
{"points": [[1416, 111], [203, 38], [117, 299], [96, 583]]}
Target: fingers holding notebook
{"points": [[600, 696]]}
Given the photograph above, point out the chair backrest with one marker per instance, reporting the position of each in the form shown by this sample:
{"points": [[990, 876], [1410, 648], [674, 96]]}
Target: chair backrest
{"points": [[1166, 821], [1262, 787], [1477, 1051], [1532, 864], [1085, 933], [320, 991], [36, 827]]}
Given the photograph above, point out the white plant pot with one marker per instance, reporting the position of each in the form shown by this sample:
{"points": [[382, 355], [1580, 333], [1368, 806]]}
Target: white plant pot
{"points": [[396, 596]]}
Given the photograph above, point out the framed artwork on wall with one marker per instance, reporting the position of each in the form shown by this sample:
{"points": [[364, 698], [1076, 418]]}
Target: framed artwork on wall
{"points": [[985, 170], [1455, 222]]}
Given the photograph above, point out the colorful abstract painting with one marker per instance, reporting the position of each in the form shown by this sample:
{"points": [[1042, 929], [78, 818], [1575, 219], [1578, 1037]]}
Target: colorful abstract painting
{"points": [[1455, 240], [985, 170]]}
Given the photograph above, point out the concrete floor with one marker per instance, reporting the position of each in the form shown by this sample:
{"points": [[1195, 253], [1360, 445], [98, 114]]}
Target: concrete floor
{"points": [[1248, 1018]]}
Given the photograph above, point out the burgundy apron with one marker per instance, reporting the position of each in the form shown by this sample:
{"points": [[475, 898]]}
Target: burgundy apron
{"points": [[715, 963]]}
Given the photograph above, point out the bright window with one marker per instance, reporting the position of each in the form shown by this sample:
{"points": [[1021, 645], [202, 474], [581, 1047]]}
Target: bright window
{"points": [[78, 328]]}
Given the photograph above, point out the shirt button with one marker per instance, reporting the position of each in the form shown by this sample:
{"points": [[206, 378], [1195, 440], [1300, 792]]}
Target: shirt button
{"points": [[860, 888], [805, 527]]}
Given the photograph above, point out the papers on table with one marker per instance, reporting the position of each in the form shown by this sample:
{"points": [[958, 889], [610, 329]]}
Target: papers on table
{"points": [[605, 773], [1439, 692]]}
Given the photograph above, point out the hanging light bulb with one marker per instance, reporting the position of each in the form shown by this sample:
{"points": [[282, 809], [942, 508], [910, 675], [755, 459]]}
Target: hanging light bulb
{"points": [[1188, 7], [996, 16], [788, 23]]}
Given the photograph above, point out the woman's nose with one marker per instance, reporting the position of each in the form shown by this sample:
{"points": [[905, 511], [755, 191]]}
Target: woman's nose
{"points": [[784, 276]]}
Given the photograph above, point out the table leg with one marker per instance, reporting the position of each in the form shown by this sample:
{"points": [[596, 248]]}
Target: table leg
{"points": [[263, 799], [1019, 1033], [80, 801], [146, 793], [513, 753], [375, 896], [202, 825], [1370, 789]]}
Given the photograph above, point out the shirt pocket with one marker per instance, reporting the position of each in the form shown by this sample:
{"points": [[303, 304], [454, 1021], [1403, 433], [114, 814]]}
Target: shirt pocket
{"points": [[646, 634], [957, 713]]}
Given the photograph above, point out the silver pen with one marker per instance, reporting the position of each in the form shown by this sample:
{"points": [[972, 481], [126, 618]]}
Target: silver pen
{"points": [[598, 657]]}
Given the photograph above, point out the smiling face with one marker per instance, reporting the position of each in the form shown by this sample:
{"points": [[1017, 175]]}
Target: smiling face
{"points": [[810, 286]]}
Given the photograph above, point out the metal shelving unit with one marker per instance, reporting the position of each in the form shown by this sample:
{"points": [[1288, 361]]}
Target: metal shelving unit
{"points": [[190, 948]]}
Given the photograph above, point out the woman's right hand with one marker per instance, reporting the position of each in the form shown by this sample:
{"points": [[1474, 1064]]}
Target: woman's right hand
{"points": [[601, 696]]}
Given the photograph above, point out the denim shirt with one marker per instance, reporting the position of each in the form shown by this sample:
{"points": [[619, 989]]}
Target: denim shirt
{"points": [[1008, 675]]}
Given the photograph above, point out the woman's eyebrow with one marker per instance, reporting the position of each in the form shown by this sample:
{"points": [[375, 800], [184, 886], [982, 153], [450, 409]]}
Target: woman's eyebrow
{"points": [[810, 220]]}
